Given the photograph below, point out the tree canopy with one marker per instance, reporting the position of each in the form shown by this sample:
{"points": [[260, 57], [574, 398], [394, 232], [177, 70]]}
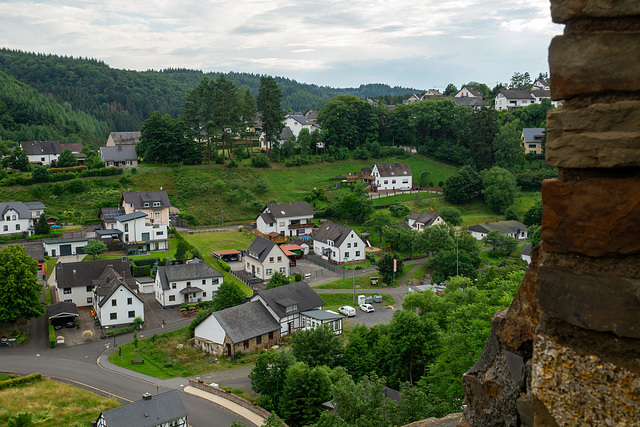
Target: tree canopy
{"points": [[20, 291]]}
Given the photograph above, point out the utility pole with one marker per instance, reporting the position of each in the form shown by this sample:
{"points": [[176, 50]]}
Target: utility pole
{"points": [[354, 281]]}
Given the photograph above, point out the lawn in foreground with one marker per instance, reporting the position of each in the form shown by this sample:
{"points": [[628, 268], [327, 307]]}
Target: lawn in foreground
{"points": [[53, 404]]}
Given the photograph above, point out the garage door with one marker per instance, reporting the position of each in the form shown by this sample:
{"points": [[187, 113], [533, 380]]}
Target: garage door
{"points": [[80, 250], [65, 250]]}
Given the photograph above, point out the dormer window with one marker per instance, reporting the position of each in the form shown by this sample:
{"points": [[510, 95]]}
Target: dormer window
{"points": [[156, 204], [146, 205], [291, 308]]}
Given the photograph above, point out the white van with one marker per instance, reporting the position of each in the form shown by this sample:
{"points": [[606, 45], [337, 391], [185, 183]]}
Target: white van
{"points": [[347, 310]]}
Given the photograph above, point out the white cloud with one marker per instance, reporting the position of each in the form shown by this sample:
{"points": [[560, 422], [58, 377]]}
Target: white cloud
{"points": [[318, 42]]}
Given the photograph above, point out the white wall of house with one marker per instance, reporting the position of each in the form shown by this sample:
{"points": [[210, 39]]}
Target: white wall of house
{"points": [[210, 329], [121, 308], [504, 103], [172, 296], [391, 182], [81, 296], [296, 126], [418, 226], [43, 159], [53, 249], [11, 223], [275, 261], [464, 91], [281, 226], [139, 230], [352, 248]]}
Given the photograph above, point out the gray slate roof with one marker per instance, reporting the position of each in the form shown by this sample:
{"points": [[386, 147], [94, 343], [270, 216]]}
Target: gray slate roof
{"points": [[531, 133], [470, 101], [161, 408], [119, 153], [62, 309], [81, 273], [138, 199], [35, 148], [125, 138], [393, 169], [260, 248], [300, 119], [334, 232], [427, 217], [130, 216], [322, 315], [182, 272], [110, 280], [35, 205], [246, 321], [34, 249], [21, 208], [503, 227], [541, 93], [515, 93], [287, 210], [286, 133], [526, 251], [299, 292], [473, 90]]}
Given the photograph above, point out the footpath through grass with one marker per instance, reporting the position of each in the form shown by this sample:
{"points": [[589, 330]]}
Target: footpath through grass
{"points": [[52, 404]]}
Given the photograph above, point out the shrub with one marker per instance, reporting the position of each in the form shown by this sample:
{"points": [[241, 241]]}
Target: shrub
{"points": [[54, 171], [224, 266], [76, 186], [260, 161], [134, 171], [52, 337], [232, 164], [13, 382]]}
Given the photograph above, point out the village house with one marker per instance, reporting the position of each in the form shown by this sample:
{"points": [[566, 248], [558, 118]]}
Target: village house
{"points": [[532, 140], [339, 243], [160, 410], [294, 306], [513, 99], [286, 220], [297, 122], [390, 176], [140, 234], [76, 150], [123, 138], [246, 328], [121, 156], [65, 246], [186, 283], [42, 152], [468, 92], [514, 229], [19, 217], [264, 258], [420, 220], [115, 299], [155, 204]]}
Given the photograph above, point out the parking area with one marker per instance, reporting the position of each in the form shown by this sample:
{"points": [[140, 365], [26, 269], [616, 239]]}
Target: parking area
{"points": [[382, 314], [155, 315], [74, 336]]}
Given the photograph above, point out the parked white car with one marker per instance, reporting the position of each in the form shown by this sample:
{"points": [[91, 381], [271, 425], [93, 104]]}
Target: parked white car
{"points": [[367, 308], [347, 310]]}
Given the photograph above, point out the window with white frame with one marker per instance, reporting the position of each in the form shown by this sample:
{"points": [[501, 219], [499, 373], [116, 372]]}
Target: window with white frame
{"points": [[113, 316], [114, 303], [132, 314], [283, 270], [172, 297], [67, 290], [268, 271]]}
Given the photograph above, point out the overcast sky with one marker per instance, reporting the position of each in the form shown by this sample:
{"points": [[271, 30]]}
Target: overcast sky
{"points": [[414, 43]]}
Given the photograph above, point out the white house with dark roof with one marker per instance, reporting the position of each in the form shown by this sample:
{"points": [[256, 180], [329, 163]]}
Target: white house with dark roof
{"points": [[286, 219], [155, 204], [339, 243], [115, 299], [540, 84], [420, 220], [18, 217], [42, 152], [513, 99], [264, 258], [159, 410], [473, 102], [294, 306], [391, 176], [468, 92], [65, 246], [532, 140], [514, 229], [121, 156], [186, 283], [140, 234], [297, 122], [244, 328], [123, 138]]}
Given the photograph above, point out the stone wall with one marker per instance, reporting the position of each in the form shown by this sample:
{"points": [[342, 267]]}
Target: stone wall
{"points": [[575, 323]]}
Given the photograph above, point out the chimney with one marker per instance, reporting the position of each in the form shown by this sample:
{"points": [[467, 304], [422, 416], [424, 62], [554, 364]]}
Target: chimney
{"points": [[146, 396]]}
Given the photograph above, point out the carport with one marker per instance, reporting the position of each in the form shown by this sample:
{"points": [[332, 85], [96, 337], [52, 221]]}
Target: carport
{"points": [[62, 312]]}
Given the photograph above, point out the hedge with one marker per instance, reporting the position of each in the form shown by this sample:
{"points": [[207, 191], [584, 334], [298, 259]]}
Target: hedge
{"points": [[13, 382], [68, 169], [52, 337]]}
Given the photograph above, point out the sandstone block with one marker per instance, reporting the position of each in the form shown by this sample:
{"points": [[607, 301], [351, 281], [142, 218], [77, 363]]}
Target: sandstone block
{"points": [[582, 389], [565, 10], [594, 63], [595, 217], [599, 136], [599, 303]]}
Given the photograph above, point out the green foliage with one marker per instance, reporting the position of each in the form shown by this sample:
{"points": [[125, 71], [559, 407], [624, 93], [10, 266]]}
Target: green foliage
{"points": [[277, 279], [533, 216], [270, 108], [42, 226], [499, 189], [305, 389], [66, 159], [19, 160], [353, 205], [164, 139], [181, 250], [463, 186], [316, 347], [268, 377], [506, 146], [378, 222], [75, 186], [260, 161], [14, 382], [399, 210], [40, 174], [510, 214], [52, 337], [386, 268], [348, 122], [532, 180], [534, 235], [19, 288], [228, 295], [451, 215], [449, 263], [95, 248]]}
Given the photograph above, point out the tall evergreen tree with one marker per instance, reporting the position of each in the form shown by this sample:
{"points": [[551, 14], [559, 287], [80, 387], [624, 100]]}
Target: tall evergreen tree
{"points": [[270, 108]]}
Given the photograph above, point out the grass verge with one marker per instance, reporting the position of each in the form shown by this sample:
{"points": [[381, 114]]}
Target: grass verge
{"points": [[334, 301], [51, 403]]}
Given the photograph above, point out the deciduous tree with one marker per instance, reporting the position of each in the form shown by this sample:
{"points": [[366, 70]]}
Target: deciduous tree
{"points": [[66, 159], [20, 291], [386, 268], [499, 189], [95, 248], [228, 295], [277, 279]]}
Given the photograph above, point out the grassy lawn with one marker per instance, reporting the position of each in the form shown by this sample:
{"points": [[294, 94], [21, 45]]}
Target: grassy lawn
{"points": [[50, 266], [362, 282], [209, 242], [384, 201], [419, 273], [51, 403], [334, 301], [168, 356]]}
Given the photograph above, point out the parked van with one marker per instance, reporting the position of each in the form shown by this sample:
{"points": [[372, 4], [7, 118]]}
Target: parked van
{"points": [[347, 310], [361, 299]]}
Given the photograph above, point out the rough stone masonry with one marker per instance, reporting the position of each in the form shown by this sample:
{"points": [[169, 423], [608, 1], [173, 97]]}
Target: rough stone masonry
{"points": [[567, 351]]}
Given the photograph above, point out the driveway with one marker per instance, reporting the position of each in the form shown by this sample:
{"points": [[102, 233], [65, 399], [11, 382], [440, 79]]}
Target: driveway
{"points": [[75, 336], [155, 316]]}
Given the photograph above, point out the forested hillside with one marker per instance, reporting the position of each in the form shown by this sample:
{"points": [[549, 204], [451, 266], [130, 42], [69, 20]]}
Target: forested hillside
{"points": [[123, 99], [27, 115]]}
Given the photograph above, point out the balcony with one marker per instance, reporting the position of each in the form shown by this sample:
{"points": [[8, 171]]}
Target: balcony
{"points": [[299, 226]]}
